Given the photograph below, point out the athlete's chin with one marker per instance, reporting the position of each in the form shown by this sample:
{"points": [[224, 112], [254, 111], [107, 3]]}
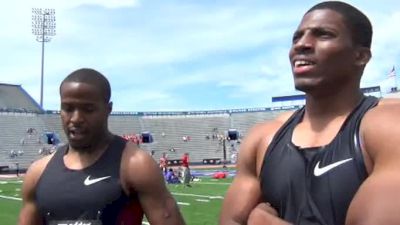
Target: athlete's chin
{"points": [[303, 87]]}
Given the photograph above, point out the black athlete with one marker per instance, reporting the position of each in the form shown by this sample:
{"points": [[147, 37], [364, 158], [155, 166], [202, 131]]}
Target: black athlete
{"points": [[314, 184], [337, 160], [97, 178]]}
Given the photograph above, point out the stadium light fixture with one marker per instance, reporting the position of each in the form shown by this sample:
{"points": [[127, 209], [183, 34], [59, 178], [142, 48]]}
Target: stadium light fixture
{"points": [[43, 27]]}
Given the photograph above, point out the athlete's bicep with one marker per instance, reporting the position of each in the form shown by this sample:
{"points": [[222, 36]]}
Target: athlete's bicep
{"points": [[159, 206], [240, 199], [244, 193], [157, 202], [29, 213], [378, 199]]}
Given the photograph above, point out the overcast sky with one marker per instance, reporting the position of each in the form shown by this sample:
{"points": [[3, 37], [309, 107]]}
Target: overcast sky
{"points": [[163, 55]]}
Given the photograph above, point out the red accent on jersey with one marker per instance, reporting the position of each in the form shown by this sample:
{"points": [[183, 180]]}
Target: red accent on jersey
{"points": [[131, 214]]}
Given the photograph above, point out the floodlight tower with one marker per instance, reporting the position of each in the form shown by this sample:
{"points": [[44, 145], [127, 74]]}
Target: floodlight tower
{"points": [[43, 26]]}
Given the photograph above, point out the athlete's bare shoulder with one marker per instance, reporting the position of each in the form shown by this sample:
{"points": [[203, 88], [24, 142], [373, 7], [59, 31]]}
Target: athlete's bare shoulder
{"points": [[136, 167], [380, 123], [257, 140], [32, 176], [134, 153], [389, 101], [283, 117], [37, 167], [385, 106], [270, 127]]}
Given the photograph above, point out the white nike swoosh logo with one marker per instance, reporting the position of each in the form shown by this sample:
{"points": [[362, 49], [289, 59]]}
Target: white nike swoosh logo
{"points": [[89, 181], [319, 171]]}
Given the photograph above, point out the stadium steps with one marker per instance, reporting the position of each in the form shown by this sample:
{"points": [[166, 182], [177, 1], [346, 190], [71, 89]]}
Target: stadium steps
{"points": [[15, 137]]}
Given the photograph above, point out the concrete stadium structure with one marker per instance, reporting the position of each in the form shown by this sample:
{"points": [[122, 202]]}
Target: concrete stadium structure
{"points": [[29, 132]]}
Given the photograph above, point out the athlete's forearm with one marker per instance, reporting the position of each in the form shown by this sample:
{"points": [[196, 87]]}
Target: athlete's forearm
{"points": [[279, 221], [270, 220], [261, 216], [229, 222]]}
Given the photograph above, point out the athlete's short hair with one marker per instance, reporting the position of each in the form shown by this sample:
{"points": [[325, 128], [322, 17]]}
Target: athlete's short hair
{"points": [[358, 23], [93, 77]]}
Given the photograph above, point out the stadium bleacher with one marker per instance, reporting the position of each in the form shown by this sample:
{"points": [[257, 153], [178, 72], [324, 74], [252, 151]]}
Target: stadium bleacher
{"points": [[15, 99], [200, 133]]}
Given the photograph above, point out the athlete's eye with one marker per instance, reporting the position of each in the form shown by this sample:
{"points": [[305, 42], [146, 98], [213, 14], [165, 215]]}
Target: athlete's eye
{"points": [[323, 33], [296, 36], [89, 109], [66, 108]]}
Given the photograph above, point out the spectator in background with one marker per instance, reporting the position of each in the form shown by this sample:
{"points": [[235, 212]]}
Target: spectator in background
{"points": [[186, 170], [171, 177], [180, 173], [30, 131], [163, 163], [17, 169]]}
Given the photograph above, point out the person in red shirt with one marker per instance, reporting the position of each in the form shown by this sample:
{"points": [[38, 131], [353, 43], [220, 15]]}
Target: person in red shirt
{"points": [[186, 170], [164, 163]]}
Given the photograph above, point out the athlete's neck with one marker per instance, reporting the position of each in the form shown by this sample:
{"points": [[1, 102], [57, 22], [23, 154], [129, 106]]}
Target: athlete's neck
{"points": [[331, 106], [102, 142], [84, 157]]}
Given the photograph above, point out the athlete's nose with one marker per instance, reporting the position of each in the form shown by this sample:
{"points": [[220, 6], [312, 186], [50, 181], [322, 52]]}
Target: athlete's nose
{"points": [[304, 43], [77, 116]]}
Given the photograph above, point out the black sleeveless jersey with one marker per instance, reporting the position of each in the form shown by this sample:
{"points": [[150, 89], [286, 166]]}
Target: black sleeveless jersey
{"points": [[90, 196], [310, 186]]}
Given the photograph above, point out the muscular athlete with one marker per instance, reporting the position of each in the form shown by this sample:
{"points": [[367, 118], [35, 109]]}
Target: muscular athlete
{"points": [[337, 160], [98, 178]]}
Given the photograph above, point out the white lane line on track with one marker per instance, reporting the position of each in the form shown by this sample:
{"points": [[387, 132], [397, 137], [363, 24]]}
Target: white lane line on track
{"points": [[201, 196], [211, 183], [11, 198], [202, 200], [11, 182], [183, 203]]}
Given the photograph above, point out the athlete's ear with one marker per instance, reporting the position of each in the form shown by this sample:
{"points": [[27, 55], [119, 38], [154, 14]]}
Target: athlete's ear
{"points": [[109, 107], [363, 55]]}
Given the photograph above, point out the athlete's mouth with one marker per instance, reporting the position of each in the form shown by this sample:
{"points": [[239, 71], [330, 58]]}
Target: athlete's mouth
{"points": [[301, 63], [76, 132]]}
